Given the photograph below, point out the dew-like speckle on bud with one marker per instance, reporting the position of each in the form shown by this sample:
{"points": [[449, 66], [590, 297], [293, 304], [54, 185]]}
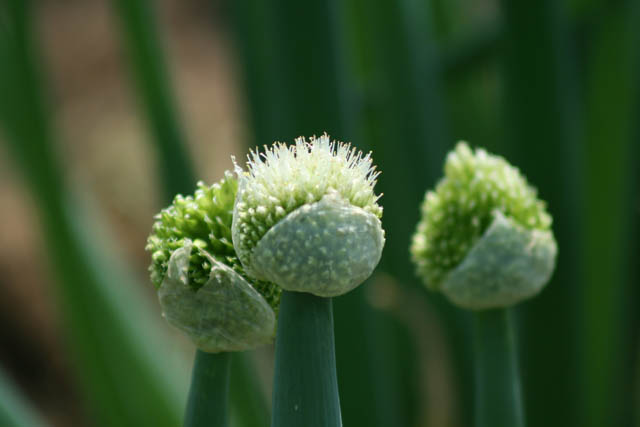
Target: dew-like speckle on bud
{"points": [[306, 216], [483, 204]]}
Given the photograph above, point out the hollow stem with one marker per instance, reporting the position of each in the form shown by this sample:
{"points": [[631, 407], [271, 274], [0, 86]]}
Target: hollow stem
{"points": [[208, 396], [498, 401], [305, 390]]}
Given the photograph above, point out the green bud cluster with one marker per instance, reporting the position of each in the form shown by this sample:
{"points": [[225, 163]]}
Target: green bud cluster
{"points": [[455, 216], [205, 220]]}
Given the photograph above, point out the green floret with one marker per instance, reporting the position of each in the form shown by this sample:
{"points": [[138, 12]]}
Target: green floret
{"points": [[462, 207], [204, 218]]}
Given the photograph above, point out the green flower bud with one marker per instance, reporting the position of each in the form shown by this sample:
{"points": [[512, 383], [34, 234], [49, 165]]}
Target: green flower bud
{"points": [[306, 217], [484, 239], [202, 287]]}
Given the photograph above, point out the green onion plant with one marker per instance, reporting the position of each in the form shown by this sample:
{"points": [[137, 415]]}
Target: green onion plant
{"points": [[485, 242], [306, 217], [204, 292]]}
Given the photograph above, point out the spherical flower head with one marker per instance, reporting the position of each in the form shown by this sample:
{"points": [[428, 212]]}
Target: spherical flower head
{"points": [[484, 239], [202, 287], [306, 216]]}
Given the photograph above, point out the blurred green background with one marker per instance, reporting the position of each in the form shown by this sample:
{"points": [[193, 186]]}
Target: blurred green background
{"points": [[109, 108]]}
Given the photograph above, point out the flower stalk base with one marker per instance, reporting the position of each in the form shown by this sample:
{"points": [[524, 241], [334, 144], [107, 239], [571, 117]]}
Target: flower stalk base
{"points": [[209, 392], [305, 389], [498, 395]]}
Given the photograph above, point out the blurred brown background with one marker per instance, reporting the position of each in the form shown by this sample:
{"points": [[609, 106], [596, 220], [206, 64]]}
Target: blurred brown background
{"points": [[551, 85], [104, 155]]}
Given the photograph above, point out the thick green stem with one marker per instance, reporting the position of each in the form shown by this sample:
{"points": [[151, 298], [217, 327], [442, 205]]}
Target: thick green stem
{"points": [[305, 390], [498, 395], [208, 395]]}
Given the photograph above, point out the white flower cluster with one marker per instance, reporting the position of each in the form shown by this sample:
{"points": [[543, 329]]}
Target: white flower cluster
{"points": [[283, 178]]}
